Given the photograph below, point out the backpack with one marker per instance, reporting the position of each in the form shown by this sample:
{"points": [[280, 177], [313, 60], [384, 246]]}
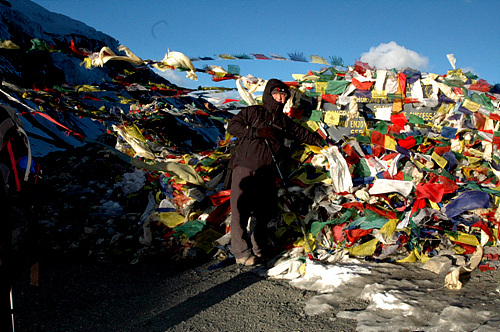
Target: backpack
{"points": [[15, 151], [17, 180]]}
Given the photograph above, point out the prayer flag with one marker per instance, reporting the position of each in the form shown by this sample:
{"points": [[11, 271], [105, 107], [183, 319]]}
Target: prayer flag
{"points": [[260, 56]]}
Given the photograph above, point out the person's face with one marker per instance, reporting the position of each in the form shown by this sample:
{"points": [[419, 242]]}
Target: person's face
{"points": [[280, 97]]}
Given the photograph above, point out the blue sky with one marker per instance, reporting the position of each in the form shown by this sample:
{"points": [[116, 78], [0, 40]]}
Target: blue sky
{"points": [[417, 33]]}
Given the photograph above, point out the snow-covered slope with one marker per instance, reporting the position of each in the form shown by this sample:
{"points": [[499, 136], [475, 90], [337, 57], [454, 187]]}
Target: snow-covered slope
{"points": [[25, 16], [43, 73]]}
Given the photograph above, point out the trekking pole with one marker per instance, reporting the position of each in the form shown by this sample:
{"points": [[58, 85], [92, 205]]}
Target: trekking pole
{"points": [[11, 310], [298, 167], [287, 200]]}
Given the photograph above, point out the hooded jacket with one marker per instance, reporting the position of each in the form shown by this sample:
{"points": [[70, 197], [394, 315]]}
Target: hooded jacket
{"points": [[253, 152]]}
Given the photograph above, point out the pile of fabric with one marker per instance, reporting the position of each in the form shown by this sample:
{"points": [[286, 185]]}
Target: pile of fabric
{"points": [[418, 167], [410, 171], [122, 152]]}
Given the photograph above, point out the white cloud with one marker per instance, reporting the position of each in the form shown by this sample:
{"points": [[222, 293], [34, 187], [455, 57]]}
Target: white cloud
{"points": [[172, 76], [392, 55]]}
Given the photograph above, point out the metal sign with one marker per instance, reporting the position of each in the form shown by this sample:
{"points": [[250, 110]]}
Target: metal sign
{"points": [[370, 114]]}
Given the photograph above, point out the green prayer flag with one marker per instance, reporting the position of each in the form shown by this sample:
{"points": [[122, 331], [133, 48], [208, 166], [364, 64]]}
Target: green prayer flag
{"points": [[336, 87], [312, 94], [317, 226], [470, 75], [483, 100], [381, 127], [415, 119], [363, 168], [191, 228], [207, 161], [316, 115], [475, 186], [233, 69], [363, 139]]}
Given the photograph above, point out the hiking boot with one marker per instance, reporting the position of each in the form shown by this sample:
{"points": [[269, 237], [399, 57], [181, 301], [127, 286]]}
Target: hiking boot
{"points": [[248, 261], [263, 257]]}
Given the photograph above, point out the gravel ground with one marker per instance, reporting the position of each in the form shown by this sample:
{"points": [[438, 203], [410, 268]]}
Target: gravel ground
{"points": [[151, 297]]}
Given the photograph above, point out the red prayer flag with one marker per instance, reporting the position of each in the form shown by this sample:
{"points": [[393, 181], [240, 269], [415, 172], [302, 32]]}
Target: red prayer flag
{"points": [[383, 213], [399, 119], [353, 235], [338, 234], [357, 205], [361, 85], [229, 101], [419, 204], [480, 85], [377, 138], [220, 197], [260, 56], [440, 150], [432, 191], [351, 156], [377, 150], [332, 99]]}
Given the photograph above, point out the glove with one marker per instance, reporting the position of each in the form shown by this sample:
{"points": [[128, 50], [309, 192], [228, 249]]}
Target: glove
{"points": [[265, 132]]}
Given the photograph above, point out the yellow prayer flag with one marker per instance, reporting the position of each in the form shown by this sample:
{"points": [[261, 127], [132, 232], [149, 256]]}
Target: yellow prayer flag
{"points": [[124, 100], [465, 239], [388, 229], [318, 59], [471, 105], [134, 131], [442, 109], [459, 250], [218, 154], [473, 160], [434, 205], [455, 72], [390, 143], [495, 237], [302, 243], [422, 257], [298, 77], [311, 125], [314, 148], [365, 249], [185, 172], [87, 62], [171, 219], [379, 94], [8, 44], [415, 256], [418, 164], [303, 177], [206, 240], [439, 160], [332, 118], [227, 56], [321, 86], [302, 269], [288, 218], [411, 258]]}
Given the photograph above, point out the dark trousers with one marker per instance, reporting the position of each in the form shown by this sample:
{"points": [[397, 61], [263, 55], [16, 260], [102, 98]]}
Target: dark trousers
{"points": [[253, 197]]}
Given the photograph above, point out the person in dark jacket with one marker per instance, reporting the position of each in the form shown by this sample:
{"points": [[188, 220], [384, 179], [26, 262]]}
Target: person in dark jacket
{"points": [[254, 190]]}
